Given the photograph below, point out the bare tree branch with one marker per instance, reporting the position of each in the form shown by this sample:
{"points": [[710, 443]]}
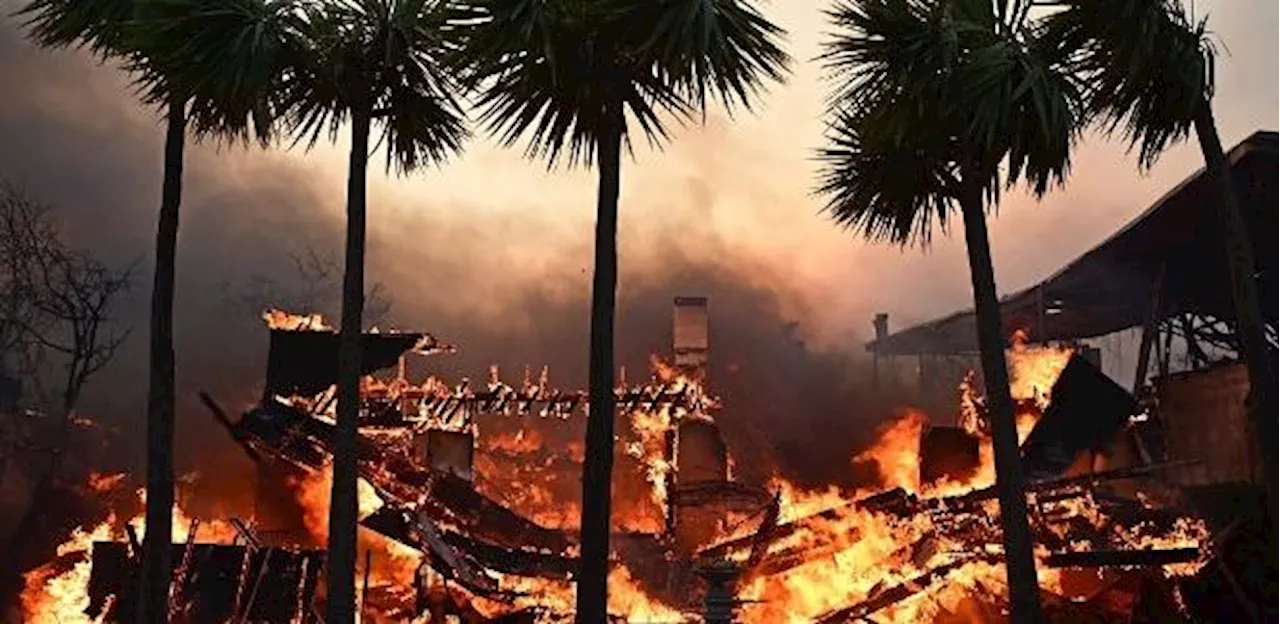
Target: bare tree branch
{"points": [[314, 286], [54, 298]]}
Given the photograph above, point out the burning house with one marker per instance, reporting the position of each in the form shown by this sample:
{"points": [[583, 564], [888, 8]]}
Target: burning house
{"points": [[469, 491], [1184, 420], [469, 511]]}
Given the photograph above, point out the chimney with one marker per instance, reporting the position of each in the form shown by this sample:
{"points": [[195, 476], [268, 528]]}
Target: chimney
{"points": [[881, 323], [690, 335]]}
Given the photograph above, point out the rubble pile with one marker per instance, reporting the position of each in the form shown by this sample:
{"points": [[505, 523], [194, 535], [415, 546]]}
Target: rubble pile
{"points": [[923, 545]]}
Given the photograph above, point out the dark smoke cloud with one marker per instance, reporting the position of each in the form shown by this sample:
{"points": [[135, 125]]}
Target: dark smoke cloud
{"points": [[508, 290]]}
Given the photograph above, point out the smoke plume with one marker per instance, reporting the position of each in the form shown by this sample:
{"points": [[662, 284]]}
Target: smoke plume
{"points": [[510, 287]]}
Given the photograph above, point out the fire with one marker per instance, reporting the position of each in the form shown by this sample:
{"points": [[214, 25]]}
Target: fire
{"points": [[834, 552], [103, 483], [1034, 368], [57, 592], [394, 562], [287, 321], [649, 448], [896, 451]]}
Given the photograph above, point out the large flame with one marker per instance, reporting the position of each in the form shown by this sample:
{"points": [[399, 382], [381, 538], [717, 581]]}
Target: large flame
{"points": [[847, 553], [57, 592]]}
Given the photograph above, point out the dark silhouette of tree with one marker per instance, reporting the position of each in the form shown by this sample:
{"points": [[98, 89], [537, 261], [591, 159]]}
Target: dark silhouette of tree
{"points": [[214, 87], [935, 102], [567, 75], [369, 63], [1150, 68], [314, 285], [57, 311]]}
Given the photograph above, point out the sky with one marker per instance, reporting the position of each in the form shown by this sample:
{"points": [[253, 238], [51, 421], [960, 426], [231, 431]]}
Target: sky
{"points": [[493, 252]]}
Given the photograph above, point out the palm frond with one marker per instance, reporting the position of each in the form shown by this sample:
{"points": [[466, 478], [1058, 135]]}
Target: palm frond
{"points": [[388, 56], [97, 25], [883, 188], [886, 51], [726, 47], [545, 71], [1026, 109], [930, 94], [227, 57], [1148, 63]]}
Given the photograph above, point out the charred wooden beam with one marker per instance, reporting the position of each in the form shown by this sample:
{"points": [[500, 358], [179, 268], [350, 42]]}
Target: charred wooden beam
{"points": [[221, 416], [890, 596], [956, 512], [212, 585], [294, 436], [1122, 558], [895, 500], [760, 543], [396, 524]]}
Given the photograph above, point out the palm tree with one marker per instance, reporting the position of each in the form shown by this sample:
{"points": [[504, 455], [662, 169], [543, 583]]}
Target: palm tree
{"points": [[567, 74], [370, 63], [112, 29], [937, 101], [1150, 65]]}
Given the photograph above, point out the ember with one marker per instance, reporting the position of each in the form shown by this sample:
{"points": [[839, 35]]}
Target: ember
{"points": [[468, 503]]}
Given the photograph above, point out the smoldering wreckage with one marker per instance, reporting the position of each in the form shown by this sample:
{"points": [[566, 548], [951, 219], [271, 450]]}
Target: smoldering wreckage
{"points": [[460, 509]]}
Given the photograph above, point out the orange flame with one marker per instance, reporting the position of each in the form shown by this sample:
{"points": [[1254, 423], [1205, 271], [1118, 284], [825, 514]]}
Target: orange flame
{"points": [[287, 321]]}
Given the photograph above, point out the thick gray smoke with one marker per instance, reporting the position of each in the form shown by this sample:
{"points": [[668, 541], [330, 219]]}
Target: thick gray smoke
{"points": [[507, 291]]}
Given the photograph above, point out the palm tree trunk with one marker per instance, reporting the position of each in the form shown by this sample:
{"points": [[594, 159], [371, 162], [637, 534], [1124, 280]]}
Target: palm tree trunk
{"points": [[597, 468], [1250, 331], [153, 601], [1024, 589], [343, 508]]}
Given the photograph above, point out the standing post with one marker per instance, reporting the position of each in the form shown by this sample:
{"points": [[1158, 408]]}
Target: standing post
{"points": [[721, 605], [364, 587], [1149, 331], [881, 324]]}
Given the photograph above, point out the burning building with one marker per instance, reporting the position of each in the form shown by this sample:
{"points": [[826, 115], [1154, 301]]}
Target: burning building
{"points": [[1164, 276], [469, 491], [468, 505]]}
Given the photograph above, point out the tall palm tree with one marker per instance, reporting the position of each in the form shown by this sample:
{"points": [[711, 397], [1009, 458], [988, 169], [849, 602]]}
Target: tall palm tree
{"points": [[937, 103], [368, 63], [1150, 65], [567, 74], [114, 30]]}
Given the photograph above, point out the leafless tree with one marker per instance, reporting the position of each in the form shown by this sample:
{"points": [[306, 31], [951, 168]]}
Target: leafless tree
{"points": [[55, 303], [54, 326], [315, 286]]}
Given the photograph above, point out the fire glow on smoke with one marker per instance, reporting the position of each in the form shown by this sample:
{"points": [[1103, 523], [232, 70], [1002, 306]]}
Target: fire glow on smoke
{"points": [[851, 553]]}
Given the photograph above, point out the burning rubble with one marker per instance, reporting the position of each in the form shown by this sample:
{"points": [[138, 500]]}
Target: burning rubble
{"points": [[469, 504]]}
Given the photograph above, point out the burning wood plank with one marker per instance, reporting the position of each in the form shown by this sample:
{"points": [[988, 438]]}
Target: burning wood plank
{"points": [[396, 524], [291, 435], [1122, 558], [890, 596], [212, 584]]}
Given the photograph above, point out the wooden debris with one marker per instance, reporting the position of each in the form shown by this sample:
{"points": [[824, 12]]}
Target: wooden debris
{"points": [[1121, 558]]}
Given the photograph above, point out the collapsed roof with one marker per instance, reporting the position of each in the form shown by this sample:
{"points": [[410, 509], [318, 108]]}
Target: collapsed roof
{"points": [[1109, 288], [306, 362]]}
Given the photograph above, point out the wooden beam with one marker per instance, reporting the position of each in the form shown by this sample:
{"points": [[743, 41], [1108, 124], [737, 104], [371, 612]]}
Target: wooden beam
{"points": [[1149, 330], [1121, 558]]}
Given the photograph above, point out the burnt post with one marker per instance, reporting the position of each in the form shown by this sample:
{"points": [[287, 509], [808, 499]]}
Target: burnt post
{"points": [[690, 336], [721, 604], [881, 323]]}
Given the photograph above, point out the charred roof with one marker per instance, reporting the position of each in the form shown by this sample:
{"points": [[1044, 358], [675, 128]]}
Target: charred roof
{"points": [[1176, 243]]}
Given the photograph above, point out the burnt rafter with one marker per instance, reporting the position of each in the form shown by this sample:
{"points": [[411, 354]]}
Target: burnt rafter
{"points": [[447, 404]]}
